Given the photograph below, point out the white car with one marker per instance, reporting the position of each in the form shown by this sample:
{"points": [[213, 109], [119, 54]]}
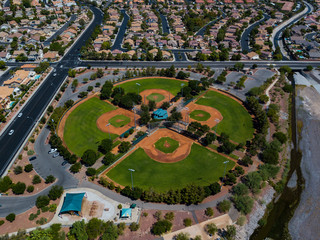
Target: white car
{"points": [[20, 114], [54, 74], [11, 132], [52, 150]]}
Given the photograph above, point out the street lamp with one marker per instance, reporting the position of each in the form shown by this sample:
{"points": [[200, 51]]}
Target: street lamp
{"points": [[225, 166], [138, 84], [131, 171], [182, 84], [108, 125]]}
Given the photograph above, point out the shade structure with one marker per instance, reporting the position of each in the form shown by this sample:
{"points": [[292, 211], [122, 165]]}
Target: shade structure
{"points": [[125, 213], [160, 114], [72, 202]]}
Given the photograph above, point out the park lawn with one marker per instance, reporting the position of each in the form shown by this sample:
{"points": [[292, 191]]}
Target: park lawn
{"points": [[81, 131], [236, 122], [119, 120], [171, 85], [195, 115], [201, 167], [161, 145], [157, 97]]}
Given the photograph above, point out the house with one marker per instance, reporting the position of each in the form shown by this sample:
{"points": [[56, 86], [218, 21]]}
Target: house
{"points": [[314, 54], [253, 55], [51, 56], [5, 93], [20, 77]]}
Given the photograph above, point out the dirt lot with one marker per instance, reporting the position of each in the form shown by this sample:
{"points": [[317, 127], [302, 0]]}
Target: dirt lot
{"points": [[167, 96], [179, 154], [211, 122], [104, 118]]}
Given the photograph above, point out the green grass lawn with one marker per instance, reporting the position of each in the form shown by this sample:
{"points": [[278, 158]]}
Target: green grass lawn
{"points": [[166, 145], [201, 167], [171, 85], [119, 120], [237, 122], [200, 115], [81, 131], [157, 97]]}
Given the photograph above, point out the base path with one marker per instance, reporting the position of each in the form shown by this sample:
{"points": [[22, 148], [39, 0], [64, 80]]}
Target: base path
{"points": [[103, 120], [148, 144], [211, 122], [167, 96]]}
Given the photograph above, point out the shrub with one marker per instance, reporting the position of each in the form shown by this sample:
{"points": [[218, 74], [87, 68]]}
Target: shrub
{"points": [[50, 179], [224, 206], [19, 188], [131, 130], [45, 209], [28, 168], [55, 192], [209, 212], [17, 170], [134, 226], [89, 157], [243, 203], [41, 221], [169, 216], [240, 189], [187, 222], [211, 228], [42, 201], [282, 138], [241, 220], [11, 217], [5, 184], [91, 171], [126, 135], [32, 216], [36, 179], [75, 167], [53, 207], [119, 206], [161, 227], [1, 222], [30, 189]]}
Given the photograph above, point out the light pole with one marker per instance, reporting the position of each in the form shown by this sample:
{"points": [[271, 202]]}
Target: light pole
{"points": [[224, 173], [187, 115], [134, 115], [217, 121], [138, 84], [54, 126], [108, 125], [131, 171], [182, 84]]}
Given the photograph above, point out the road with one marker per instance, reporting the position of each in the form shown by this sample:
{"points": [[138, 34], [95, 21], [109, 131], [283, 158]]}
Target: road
{"points": [[61, 30], [202, 30], [122, 30], [9, 145], [276, 37], [246, 33]]}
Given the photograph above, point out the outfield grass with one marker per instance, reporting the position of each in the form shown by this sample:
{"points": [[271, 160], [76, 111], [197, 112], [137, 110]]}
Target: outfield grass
{"points": [[81, 131], [237, 122], [201, 167], [119, 120], [195, 115], [171, 85], [157, 97], [170, 148]]}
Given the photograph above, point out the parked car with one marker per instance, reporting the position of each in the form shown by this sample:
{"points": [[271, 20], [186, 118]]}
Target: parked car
{"points": [[11, 132], [64, 163], [52, 150], [32, 158], [56, 154]]}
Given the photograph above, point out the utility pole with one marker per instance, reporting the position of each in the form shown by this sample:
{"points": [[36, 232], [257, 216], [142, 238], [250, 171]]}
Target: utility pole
{"points": [[131, 171]]}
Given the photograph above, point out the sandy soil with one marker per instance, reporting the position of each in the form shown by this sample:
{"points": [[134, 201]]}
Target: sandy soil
{"points": [[305, 222], [167, 96], [211, 122], [104, 119], [179, 154]]}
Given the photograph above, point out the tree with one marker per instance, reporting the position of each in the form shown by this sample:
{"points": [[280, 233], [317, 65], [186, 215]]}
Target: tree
{"points": [[112, 232], [240, 189], [243, 203], [75, 167], [89, 157], [36, 179], [5, 184], [182, 236], [169, 216], [253, 181], [239, 66], [230, 232], [55, 192], [134, 227], [161, 227], [74, 85], [270, 155], [105, 145], [108, 158], [106, 90], [11, 217], [165, 105], [30, 189], [19, 188], [182, 75], [50, 179], [91, 171], [246, 161], [42, 201], [17, 170], [224, 206], [211, 228], [209, 212], [2, 65], [282, 138], [78, 231], [95, 227], [152, 105], [230, 179], [187, 222], [124, 146]]}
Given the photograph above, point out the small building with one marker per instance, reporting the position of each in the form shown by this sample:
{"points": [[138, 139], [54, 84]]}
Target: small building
{"points": [[126, 213], [160, 114]]}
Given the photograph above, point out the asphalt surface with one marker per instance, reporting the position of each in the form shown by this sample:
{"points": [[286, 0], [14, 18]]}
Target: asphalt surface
{"points": [[9, 145], [246, 34], [165, 25], [202, 30], [122, 30]]}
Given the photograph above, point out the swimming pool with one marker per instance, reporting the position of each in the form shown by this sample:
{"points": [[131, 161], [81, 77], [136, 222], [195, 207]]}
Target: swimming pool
{"points": [[37, 77]]}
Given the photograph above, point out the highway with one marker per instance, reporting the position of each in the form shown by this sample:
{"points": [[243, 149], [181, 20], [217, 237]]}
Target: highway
{"points": [[31, 112]]}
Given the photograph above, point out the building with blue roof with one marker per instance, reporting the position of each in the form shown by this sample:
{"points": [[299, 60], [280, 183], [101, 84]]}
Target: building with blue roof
{"points": [[160, 114], [72, 203], [125, 213]]}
